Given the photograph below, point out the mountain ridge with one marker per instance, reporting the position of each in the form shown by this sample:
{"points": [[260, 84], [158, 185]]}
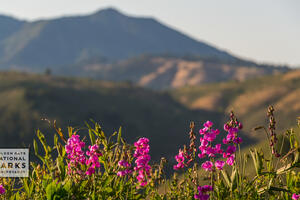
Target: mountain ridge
{"points": [[164, 72], [106, 33]]}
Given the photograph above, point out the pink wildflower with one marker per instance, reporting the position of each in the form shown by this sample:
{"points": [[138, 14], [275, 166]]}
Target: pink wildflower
{"points": [[219, 164], [126, 165], [93, 160], [210, 152], [207, 166], [210, 136], [230, 150], [230, 160], [202, 192], [295, 196], [203, 131], [142, 159], [238, 140], [2, 189], [208, 124], [180, 159], [74, 152], [226, 127], [218, 149]]}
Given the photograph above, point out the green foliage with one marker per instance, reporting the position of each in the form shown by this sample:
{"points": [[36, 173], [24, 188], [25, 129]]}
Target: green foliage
{"points": [[274, 178]]}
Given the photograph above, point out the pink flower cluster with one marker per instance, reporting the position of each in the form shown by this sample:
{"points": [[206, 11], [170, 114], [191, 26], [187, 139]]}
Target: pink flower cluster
{"points": [[74, 152], [208, 135], [232, 131], [202, 192], [93, 161], [207, 149], [126, 168], [232, 135], [295, 196], [142, 160], [180, 159], [2, 189]]}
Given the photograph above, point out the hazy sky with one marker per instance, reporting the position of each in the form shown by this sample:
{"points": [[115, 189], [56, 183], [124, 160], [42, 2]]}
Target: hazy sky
{"points": [[262, 30]]}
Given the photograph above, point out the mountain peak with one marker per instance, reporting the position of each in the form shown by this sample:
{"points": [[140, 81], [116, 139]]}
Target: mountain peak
{"points": [[110, 11]]}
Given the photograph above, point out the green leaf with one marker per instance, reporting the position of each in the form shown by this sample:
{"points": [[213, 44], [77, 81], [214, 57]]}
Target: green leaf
{"points": [[42, 139], [233, 179], [35, 146], [50, 191], [119, 135], [108, 189], [226, 178], [92, 137], [257, 158], [26, 187], [68, 186], [55, 140]]}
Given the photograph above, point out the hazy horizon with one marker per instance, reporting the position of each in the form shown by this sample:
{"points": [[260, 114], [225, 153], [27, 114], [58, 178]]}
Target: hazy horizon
{"points": [[269, 35]]}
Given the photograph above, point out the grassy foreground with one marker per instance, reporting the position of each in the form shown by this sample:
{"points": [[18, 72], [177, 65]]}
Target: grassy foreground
{"points": [[106, 167]]}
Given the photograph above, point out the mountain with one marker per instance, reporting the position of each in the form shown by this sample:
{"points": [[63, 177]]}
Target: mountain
{"points": [[106, 34], [27, 99], [249, 99], [8, 26], [164, 72]]}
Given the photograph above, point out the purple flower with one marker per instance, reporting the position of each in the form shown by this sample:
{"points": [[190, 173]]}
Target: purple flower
{"points": [[216, 131], [180, 159], [203, 131], [230, 137], [230, 160], [201, 155], [230, 150], [225, 141], [123, 163], [205, 188], [218, 149], [210, 152], [142, 159], [226, 127], [233, 131], [203, 142], [121, 173], [74, 152], [240, 125], [210, 136], [201, 196], [207, 165], [90, 171], [238, 140], [2, 189], [295, 196], [208, 124], [124, 172], [202, 192], [219, 164], [93, 160]]}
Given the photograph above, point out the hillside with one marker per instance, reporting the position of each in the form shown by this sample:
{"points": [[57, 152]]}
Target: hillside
{"points": [[8, 26], [106, 34], [26, 99], [164, 72], [249, 99]]}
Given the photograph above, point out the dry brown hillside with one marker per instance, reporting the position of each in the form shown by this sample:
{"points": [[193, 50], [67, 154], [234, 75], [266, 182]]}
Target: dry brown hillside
{"points": [[162, 72], [249, 99]]}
